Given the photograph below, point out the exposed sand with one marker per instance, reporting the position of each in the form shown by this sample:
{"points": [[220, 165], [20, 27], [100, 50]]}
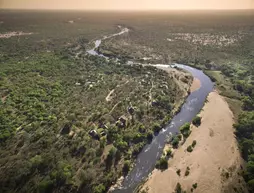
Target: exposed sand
{"points": [[215, 156], [196, 84]]}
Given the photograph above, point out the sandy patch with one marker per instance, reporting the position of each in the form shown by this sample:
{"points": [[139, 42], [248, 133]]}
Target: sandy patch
{"points": [[215, 160], [12, 34], [196, 84]]}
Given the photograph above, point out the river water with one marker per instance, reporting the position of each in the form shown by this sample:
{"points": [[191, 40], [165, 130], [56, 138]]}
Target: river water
{"points": [[146, 160]]}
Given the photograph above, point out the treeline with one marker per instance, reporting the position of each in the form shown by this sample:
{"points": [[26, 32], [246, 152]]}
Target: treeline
{"points": [[245, 124]]}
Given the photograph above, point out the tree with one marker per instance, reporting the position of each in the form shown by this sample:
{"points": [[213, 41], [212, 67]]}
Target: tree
{"points": [[162, 163], [126, 167], [196, 121]]}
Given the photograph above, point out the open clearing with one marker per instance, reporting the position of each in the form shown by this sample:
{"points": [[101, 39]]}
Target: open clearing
{"points": [[215, 162]]}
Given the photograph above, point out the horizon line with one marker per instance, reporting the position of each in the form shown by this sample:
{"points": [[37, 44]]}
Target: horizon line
{"points": [[128, 10]]}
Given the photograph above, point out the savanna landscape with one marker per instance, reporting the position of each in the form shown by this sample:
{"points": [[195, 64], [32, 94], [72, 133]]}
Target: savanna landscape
{"points": [[71, 121]]}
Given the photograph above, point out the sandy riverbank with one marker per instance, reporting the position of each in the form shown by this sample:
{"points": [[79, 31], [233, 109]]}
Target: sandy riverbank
{"points": [[196, 84], [215, 162]]}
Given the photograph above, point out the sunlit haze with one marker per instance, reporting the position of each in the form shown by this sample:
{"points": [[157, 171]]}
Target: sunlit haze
{"points": [[127, 5]]}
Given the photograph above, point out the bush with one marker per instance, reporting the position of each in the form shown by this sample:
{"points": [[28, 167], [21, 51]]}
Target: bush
{"points": [[195, 185], [187, 172], [99, 189], [156, 127], [189, 148], [162, 163], [178, 188], [175, 142], [194, 143], [186, 126], [169, 152], [185, 130], [196, 121], [149, 135], [178, 172], [126, 167]]}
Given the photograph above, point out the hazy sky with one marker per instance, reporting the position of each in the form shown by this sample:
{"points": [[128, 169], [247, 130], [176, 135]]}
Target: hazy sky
{"points": [[128, 4]]}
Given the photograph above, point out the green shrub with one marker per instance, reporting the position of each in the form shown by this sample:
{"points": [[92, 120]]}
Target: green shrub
{"points": [[196, 121], [187, 172], [194, 143], [189, 148], [169, 152], [162, 163], [178, 172], [99, 189], [156, 127], [186, 126], [175, 142], [185, 130], [178, 188], [195, 185], [126, 167]]}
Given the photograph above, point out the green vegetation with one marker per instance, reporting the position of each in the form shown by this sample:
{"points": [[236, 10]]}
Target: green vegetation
{"points": [[189, 148], [187, 171], [196, 121], [175, 141], [185, 130], [59, 132], [194, 143], [178, 172], [162, 163]]}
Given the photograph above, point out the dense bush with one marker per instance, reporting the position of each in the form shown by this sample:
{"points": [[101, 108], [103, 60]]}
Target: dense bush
{"points": [[162, 163], [196, 121], [185, 130]]}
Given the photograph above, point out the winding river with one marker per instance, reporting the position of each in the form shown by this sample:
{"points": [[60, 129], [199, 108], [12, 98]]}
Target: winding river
{"points": [[152, 152]]}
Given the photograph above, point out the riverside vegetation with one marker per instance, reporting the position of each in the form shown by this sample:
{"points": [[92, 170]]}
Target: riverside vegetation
{"points": [[74, 125]]}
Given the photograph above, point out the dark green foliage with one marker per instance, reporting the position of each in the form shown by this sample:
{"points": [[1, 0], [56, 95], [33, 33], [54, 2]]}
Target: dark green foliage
{"points": [[189, 148], [196, 121], [156, 127], [194, 143], [187, 171], [178, 188], [100, 189], [175, 141], [195, 185], [169, 153], [185, 130], [178, 172], [126, 167], [162, 163]]}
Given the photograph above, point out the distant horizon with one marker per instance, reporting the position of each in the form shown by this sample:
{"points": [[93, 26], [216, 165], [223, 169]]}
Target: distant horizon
{"points": [[126, 10], [130, 5]]}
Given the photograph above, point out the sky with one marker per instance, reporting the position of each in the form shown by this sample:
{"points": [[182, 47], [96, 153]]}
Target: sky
{"points": [[127, 4]]}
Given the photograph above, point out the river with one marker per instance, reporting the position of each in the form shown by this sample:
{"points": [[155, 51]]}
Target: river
{"points": [[146, 160]]}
